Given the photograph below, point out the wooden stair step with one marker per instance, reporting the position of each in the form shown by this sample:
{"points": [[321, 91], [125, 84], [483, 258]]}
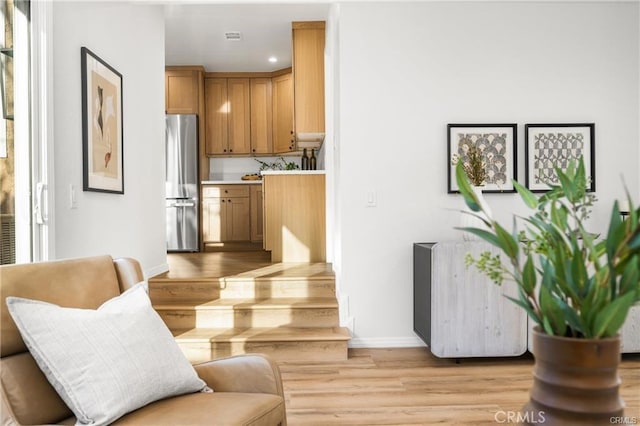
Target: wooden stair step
{"points": [[238, 313], [282, 343], [207, 289]]}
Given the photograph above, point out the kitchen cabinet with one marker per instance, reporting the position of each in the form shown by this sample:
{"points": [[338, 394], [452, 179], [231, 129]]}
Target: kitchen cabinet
{"points": [[308, 79], [226, 216], [184, 94], [261, 116], [295, 218], [282, 101], [182, 90], [227, 106], [257, 213]]}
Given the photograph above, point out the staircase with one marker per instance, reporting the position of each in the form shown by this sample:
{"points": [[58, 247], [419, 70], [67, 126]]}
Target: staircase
{"points": [[288, 311]]}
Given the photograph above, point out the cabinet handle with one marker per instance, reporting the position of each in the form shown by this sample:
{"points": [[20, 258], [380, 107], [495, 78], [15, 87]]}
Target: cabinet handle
{"points": [[230, 150], [229, 200], [226, 191], [254, 150], [224, 150], [292, 132], [223, 201]]}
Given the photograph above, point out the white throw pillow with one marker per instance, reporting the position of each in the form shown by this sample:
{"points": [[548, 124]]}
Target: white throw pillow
{"points": [[107, 362]]}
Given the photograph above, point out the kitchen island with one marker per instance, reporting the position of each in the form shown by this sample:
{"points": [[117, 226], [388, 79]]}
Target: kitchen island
{"points": [[294, 215]]}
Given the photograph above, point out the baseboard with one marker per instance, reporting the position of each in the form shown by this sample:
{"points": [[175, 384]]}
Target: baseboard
{"points": [[156, 270], [386, 342]]}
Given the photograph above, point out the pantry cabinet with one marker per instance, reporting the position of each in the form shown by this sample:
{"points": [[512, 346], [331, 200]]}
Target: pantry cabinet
{"points": [[308, 77]]}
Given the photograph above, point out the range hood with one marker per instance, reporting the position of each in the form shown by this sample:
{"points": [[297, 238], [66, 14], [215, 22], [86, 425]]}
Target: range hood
{"points": [[309, 140]]}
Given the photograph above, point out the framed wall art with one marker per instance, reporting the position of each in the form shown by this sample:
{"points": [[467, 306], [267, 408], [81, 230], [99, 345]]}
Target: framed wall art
{"points": [[498, 145], [548, 146], [102, 135]]}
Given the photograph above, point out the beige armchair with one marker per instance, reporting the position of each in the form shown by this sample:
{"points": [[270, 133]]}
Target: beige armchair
{"points": [[248, 388]]}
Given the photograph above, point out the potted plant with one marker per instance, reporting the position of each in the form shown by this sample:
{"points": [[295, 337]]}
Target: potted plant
{"points": [[576, 287]]}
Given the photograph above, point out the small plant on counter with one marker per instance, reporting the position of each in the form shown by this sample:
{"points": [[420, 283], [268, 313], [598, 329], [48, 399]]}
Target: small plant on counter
{"points": [[473, 165], [569, 283], [279, 164]]}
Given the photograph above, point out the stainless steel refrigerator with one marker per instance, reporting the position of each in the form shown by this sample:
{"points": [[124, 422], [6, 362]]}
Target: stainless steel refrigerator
{"points": [[181, 150]]}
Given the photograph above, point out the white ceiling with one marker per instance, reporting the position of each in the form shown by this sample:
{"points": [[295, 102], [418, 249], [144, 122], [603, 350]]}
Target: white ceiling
{"points": [[194, 34]]}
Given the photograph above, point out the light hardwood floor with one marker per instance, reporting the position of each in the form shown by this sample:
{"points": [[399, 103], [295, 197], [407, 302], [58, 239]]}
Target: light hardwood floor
{"points": [[390, 386], [411, 386]]}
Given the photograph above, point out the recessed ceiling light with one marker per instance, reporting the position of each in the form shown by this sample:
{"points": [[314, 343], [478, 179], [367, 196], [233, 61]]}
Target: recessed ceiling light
{"points": [[273, 59]]}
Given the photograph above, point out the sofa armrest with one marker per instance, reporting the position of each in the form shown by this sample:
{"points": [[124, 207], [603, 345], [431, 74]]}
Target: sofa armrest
{"points": [[129, 273], [249, 373]]}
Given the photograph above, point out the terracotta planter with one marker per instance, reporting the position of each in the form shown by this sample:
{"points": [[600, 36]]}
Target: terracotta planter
{"points": [[575, 381]]}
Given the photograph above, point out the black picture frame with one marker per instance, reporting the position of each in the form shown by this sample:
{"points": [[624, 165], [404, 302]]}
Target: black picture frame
{"points": [[102, 125], [500, 139], [548, 145]]}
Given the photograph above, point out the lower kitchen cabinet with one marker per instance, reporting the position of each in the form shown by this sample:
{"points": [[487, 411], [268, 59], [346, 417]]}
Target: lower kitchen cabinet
{"points": [[226, 213]]}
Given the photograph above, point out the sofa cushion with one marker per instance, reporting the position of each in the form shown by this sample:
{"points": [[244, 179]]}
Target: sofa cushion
{"points": [[81, 283], [219, 408], [105, 362]]}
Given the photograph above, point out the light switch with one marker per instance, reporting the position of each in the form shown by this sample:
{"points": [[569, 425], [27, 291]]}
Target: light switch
{"points": [[73, 198], [372, 199]]}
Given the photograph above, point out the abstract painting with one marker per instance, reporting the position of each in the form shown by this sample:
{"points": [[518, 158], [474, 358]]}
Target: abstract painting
{"points": [[102, 136], [496, 143], [548, 146]]}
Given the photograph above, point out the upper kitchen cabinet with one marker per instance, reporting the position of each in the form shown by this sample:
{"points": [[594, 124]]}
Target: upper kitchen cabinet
{"points": [[282, 102], [184, 94], [182, 89], [308, 82], [227, 106], [261, 116]]}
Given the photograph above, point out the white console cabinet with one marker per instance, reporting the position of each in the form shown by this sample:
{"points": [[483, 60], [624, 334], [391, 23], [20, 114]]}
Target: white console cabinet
{"points": [[459, 312]]}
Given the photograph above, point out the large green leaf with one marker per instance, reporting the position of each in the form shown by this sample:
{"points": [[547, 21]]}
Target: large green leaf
{"points": [[611, 318], [630, 278], [465, 188], [527, 196], [529, 276], [580, 179], [579, 272], [508, 244], [485, 235], [571, 316], [552, 311], [568, 186]]}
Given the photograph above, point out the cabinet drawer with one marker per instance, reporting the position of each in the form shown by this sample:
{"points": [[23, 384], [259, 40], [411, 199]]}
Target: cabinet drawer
{"points": [[216, 191]]}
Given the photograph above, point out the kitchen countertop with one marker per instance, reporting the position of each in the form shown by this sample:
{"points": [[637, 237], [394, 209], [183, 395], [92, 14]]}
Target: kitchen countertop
{"points": [[231, 182], [293, 172]]}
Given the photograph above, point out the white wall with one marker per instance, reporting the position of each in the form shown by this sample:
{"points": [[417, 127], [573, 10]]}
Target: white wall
{"points": [[130, 38], [406, 70]]}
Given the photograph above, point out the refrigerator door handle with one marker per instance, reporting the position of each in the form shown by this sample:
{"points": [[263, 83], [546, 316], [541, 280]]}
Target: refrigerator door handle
{"points": [[183, 205]]}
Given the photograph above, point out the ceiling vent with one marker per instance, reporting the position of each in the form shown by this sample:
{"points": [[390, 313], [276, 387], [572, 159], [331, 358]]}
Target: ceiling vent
{"points": [[233, 36]]}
